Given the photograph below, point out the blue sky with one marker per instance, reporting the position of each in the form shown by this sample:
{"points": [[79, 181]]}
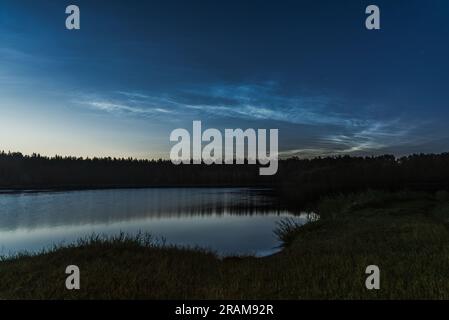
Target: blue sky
{"points": [[139, 69]]}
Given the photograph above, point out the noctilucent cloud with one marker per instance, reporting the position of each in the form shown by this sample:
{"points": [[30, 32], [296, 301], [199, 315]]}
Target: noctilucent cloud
{"points": [[139, 69]]}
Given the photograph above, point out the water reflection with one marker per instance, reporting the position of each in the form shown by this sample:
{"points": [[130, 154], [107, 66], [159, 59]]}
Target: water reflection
{"points": [[228, 220]]}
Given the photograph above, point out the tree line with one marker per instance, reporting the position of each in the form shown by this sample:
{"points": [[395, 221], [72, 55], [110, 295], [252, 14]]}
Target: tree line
{"points": [[296, 178]]}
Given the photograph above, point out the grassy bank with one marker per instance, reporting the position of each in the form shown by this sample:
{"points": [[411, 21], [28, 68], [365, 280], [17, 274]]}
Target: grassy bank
{"points": [[405, 234]]}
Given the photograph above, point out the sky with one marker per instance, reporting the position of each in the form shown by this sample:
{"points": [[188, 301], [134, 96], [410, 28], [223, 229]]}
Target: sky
{"points": [[136, 70]]}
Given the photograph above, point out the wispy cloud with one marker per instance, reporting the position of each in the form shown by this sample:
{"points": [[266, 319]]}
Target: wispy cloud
{"points": [[258, 102], [133, 95], [367, 137], [339, 132], [357, 132], [113, 107], [121, 107]]}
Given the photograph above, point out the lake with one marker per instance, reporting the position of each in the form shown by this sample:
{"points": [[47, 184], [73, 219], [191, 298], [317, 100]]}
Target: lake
{"points": [[226, 220]]}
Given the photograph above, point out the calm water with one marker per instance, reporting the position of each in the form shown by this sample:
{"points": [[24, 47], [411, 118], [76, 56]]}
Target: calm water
{"points": [[228, 221]]}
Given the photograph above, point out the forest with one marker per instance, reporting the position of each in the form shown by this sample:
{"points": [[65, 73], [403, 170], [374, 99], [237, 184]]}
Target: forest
{"points": [[296, 178]]}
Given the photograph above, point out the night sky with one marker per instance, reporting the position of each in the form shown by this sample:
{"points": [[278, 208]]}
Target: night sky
{"points": [[139, 69]]}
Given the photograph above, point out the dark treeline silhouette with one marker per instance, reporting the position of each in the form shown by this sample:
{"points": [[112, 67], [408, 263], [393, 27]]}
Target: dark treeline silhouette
{"points": [[19, 171], [308, 179], [297, 179]]}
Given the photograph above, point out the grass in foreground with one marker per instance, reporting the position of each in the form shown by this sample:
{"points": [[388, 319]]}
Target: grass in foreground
{"points": [[405, 234]]}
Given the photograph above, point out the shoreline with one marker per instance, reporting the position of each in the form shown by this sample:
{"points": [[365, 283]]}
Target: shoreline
{"points": [[405, 233], [123, 187]]}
